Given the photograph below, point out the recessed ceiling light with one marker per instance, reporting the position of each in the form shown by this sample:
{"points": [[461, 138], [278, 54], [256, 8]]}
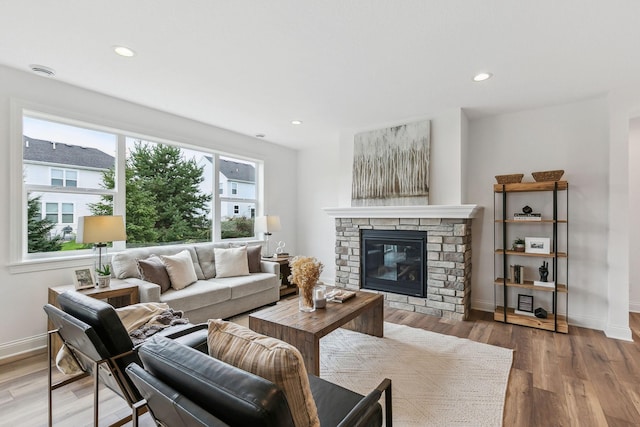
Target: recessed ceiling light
{"points": [[296, 122], [42, 70], [260, 135], [124, 51], [480, 77]]}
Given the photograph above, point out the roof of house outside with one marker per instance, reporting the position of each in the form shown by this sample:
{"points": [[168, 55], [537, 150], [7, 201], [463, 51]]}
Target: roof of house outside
{"points": [[39, 150], [237, 171]]}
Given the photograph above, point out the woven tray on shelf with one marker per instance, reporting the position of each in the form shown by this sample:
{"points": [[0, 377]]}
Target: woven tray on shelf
{"points": [[547, 175], [513, 178]]}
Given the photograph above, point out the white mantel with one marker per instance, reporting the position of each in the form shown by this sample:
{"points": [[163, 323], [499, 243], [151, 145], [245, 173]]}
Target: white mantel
{"points": [[429, 211]]}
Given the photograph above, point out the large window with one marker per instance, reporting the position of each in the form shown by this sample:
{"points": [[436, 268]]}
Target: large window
{"points": [[168, 192]]}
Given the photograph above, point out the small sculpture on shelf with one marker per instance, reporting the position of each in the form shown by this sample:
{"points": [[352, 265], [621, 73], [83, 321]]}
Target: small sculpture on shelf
{"points": [[544, 271]]}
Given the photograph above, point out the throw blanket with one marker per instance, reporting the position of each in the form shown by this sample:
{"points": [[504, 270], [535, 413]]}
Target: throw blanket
{"points": [[140, 320], [168, 317]]}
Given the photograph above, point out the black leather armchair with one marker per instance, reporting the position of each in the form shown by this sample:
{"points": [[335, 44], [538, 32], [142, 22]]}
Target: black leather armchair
{"points": [[183, 387], [101, 346]]}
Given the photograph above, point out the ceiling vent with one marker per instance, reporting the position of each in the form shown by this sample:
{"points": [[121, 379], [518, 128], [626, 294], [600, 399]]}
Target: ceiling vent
{"points": [[42, 70]]}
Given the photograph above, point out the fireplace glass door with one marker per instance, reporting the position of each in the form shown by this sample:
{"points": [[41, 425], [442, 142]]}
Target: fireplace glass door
{"points": [[394, 261]]}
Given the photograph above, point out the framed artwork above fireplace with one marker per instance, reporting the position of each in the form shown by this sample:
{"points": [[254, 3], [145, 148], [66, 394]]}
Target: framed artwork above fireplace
{"points": [[391, 166]]}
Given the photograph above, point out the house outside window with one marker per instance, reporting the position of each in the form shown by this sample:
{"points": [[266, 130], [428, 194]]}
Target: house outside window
{"points": [[237, 210], [66, 178]]}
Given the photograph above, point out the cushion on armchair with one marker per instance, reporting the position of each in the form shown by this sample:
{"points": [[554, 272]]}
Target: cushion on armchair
{"points": [[269, 358]]}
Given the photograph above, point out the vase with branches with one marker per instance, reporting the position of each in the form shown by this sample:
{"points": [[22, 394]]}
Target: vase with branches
{"points": [[305, 272]]}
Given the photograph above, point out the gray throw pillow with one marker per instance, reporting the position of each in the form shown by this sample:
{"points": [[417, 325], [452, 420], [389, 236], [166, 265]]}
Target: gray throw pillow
{"points": [[254, 255], [152, 270]]}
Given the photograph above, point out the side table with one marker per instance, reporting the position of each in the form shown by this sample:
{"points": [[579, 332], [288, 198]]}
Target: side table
{"points": [[286, 288], [118, 294]]}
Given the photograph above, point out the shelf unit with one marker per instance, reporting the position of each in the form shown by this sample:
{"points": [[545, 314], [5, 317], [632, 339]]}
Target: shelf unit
{"points": [[504, 288]]}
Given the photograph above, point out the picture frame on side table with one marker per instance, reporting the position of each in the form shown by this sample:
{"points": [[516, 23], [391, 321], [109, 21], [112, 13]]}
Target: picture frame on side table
{"points": [[537, 245], [83, 278]]}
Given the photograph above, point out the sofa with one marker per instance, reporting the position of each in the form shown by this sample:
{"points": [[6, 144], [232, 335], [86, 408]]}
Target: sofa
{"points": [[212, 288], [184, 387]]}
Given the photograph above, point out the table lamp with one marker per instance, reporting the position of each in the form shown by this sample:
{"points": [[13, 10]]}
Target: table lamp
{"points": [[267, 224], [100, 230]]}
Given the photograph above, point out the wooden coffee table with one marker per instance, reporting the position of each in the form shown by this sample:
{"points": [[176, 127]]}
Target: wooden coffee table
{"points": [[362, 313]]}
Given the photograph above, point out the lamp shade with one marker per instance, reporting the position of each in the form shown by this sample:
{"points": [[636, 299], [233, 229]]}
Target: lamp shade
{"points": [[100, 229], [267, 224]]}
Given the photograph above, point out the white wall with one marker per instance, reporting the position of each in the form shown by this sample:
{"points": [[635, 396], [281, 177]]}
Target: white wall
{"points": [[634, 206], [572, 137], [624, 104], [24, 287]]}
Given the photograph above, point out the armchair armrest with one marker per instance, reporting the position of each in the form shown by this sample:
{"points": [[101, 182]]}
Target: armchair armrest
{"points": [[357, 414]]}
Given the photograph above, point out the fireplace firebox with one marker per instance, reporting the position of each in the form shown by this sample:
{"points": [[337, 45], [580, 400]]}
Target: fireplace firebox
{"points": [[394, 261]]}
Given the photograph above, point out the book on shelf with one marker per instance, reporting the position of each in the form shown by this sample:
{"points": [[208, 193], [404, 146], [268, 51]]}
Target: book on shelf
{"points": [[527, 217], [545, 284], [282, 255], [516, 274]]}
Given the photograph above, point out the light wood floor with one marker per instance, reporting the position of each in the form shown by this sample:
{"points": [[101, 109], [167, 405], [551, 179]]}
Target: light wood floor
{"points": [[580, 379]]}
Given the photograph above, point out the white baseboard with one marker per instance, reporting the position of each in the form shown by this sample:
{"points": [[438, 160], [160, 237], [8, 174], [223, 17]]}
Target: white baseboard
{"points": [[634, 306], [13, 349], [618, 332]]}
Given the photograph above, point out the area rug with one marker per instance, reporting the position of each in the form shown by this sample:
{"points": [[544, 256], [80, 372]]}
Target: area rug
{"points": [[437, 380]]}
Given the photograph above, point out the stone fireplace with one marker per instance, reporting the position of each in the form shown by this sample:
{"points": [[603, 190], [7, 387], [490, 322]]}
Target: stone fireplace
{"points": [[447, 231]]}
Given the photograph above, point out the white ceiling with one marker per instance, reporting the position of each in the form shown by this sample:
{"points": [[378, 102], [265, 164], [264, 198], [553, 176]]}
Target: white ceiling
{"points": [[253, 66]]}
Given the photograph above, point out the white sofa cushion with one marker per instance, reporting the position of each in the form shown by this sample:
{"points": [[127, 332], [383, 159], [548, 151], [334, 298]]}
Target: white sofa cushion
{"points": [[125, 263], [203, 293], [180, 269], [206, 257], [231, 262]]}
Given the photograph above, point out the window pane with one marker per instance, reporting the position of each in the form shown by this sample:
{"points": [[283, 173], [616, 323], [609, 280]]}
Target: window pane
{"points": [[169, 193], [71, 178], [234, 225], [52, 208], [47, 235], [46, 142], [241, 175]]}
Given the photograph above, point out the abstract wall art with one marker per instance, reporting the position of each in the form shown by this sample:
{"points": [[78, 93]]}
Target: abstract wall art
{"points": [[391, 166]]}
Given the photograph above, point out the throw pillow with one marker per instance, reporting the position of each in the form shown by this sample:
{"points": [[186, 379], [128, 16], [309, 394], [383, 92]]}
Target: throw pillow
{"points": [[270, 358], [231, 262], [254, 255], [153, 270], [180, 269]]}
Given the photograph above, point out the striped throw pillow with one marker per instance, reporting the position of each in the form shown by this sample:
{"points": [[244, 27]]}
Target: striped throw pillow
{"points": [[270, 358]]}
